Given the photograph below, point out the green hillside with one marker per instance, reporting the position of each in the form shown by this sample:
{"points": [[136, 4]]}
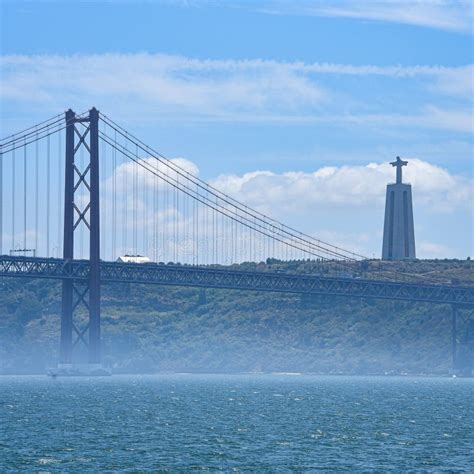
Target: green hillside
{"points": [[152, 328]]}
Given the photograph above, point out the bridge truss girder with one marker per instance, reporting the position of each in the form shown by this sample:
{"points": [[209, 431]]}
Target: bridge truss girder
{"points": [[208, 277]]}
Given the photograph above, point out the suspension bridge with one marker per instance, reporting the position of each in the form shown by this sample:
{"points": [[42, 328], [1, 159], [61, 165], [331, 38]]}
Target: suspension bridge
{"points": [[78, 191]]}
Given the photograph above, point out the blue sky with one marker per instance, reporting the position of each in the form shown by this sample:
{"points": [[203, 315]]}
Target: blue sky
{"points": [[268, 96]]}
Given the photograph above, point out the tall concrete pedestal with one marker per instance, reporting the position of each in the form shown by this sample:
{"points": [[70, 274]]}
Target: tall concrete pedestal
{"points": [[399, 233]]}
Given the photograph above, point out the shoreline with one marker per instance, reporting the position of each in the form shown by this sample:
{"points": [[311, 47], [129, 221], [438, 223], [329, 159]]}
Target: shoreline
{"points": [[262, 374]]}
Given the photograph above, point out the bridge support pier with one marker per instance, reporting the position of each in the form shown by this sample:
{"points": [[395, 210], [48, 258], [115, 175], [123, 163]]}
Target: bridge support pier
{"points": [[202, 296], [462, 341], [74, 293], [454, 342]]}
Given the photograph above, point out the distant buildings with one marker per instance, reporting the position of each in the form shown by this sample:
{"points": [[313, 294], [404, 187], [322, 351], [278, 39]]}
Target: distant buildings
{"points": [[398, 232]]}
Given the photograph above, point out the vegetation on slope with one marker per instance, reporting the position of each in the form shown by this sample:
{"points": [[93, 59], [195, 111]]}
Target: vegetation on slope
{"points": [[153, 328]]}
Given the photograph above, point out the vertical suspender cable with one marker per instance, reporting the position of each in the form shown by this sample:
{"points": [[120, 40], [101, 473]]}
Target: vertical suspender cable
{"points": [[154, 219], [243, 244], [167, 214], [214, 235], [1, 203], [176, 216], [103, 198], [255, 243], [125, 204], [216, 246], [232, 242], [48, 184], [199, 217], [252, 246], [195, 224], [223, 253], [60, 174], [114, 203], [187, 214], [169, 219], [205, 249], [185, 229], [266, 248], [216, 232], [187, 210], [36, 193], [221, 239], [159, 221], [225, 238], [209, 231], [24, 196], [274, 244], [146, 227], [159, 230], [13, 198], [134, 184]]}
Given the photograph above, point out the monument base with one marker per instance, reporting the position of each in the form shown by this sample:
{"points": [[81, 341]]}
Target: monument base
{"points": [[78, 370]]}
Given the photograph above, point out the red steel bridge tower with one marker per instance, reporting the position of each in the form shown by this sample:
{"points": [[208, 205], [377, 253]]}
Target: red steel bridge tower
{"points": [[75, 293]]}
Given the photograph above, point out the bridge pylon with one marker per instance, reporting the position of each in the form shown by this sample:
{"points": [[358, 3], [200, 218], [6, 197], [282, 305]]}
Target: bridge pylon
{"points": [[462, 340], [81, 132]]}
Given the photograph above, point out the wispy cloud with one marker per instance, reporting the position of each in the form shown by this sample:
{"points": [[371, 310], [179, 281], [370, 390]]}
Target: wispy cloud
{"points": [[180, 88], [431, 117], [450, 15]]}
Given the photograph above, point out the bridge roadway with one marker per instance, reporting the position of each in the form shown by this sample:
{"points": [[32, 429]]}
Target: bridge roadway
{"points": [[206, 277]]}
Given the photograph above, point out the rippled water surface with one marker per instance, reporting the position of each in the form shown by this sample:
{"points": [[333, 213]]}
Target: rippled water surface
{"points": [[236, 422]]}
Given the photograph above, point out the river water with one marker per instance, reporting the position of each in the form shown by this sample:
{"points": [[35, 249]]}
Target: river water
{"points": [[225, 423]]}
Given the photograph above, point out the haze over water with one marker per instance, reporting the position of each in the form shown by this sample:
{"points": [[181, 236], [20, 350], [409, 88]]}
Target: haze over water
{"points": [[235, 422]]}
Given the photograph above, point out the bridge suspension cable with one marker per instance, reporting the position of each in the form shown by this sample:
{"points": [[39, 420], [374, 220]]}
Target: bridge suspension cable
{"points": [[32, 130], [219, 208], [335, 251], [31, 200], [35, 133], [224, 205]]}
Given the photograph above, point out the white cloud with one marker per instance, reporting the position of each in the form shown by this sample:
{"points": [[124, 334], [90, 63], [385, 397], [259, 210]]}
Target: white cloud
{"points": [[439, 14], [348, 187], [184, 89]]}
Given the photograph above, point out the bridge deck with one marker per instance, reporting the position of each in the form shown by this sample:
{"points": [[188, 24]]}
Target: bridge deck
{"points": [[205, 277]]}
